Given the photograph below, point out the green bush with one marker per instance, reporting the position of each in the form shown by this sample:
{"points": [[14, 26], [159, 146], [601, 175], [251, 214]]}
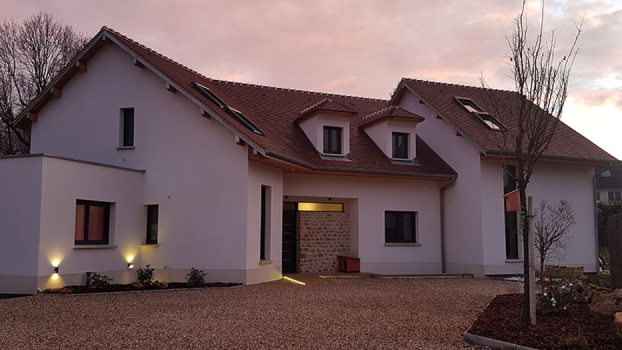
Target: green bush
{"points": [[145, 276], [99, 281], [196, 276]]}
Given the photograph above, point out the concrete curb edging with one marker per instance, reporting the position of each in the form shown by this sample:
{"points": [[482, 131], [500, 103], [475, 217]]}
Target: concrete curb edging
{"points": [[137, 291], [492, 343]]}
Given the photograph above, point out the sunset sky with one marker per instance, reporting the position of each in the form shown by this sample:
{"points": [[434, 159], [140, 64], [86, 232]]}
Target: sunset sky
{"points": [[364, 47]]}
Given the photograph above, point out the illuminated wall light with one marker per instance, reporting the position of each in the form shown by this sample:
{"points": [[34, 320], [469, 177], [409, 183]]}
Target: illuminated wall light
{"points": [[130, 265], [293, 280]]}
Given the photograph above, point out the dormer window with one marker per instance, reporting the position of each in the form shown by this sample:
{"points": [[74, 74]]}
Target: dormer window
{"points": [[332, 139], [491, 122], [400, 145]]}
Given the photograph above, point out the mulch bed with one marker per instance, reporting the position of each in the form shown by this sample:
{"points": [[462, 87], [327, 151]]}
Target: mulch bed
{"points": [[502, 320], [129, 288]]}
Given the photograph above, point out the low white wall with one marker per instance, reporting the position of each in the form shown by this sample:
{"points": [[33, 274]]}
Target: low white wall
{"points": [[66, 181], [372, 197], [20, 217]]}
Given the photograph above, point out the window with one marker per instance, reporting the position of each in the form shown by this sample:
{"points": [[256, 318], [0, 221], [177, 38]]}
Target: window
{"points": [[127, 127], [614, 196], [511, 217], [399, 227], [92, 221], [332, 140], [485, 117], [152, 224], [264, 222], [469, 104], [606, 173], [400, 145]]}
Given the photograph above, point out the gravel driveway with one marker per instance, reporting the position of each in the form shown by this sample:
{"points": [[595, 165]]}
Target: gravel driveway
{"points": [[336, 313]]}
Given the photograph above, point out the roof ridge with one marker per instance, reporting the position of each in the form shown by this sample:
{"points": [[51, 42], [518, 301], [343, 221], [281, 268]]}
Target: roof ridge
{"points": [[457, 85], [143, 46], [327, 94], [315, 105], [111, 30], [371, 115]]}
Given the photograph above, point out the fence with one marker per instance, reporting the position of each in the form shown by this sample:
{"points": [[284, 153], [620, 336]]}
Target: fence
{"points": [[614, 240]]}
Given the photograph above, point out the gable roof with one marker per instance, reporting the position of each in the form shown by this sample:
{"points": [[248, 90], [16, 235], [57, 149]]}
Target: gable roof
{"points": [[273, 110], [566, 143]]}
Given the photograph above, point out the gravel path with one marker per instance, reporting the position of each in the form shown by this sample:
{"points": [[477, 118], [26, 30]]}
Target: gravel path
{"points": [[336, 313]]}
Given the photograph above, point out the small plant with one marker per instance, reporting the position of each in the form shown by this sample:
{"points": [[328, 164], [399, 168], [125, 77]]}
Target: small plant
{"points": [[100, 281], [196, 276], [145, 276], [556, 292], [578, 342]]}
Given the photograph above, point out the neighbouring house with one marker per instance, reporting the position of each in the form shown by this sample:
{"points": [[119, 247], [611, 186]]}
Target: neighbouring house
{"points": [[136, 160], [609, 186]]}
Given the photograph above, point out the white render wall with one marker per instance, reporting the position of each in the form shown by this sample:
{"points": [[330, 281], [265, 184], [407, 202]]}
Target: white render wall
{"points": [[371, 197], [551, 182], [195, 171], [66, 181], [463, 210], [261, 271], [20, 215]]}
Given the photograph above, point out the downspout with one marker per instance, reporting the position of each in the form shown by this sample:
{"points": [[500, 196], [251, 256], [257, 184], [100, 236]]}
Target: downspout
{"points": [[597, 172], [442, 201]]}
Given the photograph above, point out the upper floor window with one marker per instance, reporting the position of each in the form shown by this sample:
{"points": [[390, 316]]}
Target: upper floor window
{"points": [[127, 127], [332, 139], [400, 145], [92, 222], [606, 173]]}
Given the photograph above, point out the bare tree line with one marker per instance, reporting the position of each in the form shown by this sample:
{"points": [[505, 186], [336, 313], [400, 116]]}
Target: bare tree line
{"points": [[32, 53]]}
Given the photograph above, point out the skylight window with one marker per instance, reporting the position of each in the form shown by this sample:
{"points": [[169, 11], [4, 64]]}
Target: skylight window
{"points": [[490, 121], [234, 113], [483, 116], [470, 106]]}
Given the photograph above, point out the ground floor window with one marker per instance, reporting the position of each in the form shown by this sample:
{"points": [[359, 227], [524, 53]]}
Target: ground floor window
{"points": [[264, 239], [92, 222], [152, 224], [511, 217], [399, 227]]}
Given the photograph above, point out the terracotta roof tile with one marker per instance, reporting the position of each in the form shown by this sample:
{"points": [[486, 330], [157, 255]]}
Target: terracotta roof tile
{"points": [[389, 112], [274, 111], [566, 142]]}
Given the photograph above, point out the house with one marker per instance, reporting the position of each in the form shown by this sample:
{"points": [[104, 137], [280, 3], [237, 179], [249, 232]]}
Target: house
{"points": [[136, 159], [609, 186]]}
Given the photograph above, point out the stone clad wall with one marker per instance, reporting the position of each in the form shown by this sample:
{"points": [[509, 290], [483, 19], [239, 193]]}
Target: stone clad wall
{"points": [[322, 236]]}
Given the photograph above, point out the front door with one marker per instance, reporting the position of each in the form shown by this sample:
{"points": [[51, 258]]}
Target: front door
{"points": [[289, 238]]}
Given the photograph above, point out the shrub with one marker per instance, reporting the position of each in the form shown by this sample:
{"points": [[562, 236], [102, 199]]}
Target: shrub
{"points": [[556, 292], [145, 276], [578, 342], [196, 276], [100, 281]]}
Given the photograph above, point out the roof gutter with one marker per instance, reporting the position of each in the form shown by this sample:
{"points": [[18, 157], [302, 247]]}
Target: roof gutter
{"points": [[442, 203], [354, 170], [552, 157]]}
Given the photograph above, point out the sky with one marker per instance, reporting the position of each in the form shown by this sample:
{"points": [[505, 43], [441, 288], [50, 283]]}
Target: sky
{"points": [[365, 47]]}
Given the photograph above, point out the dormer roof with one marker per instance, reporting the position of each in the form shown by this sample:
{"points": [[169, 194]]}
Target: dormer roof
{"points": [[325, 105], [390, 112]]}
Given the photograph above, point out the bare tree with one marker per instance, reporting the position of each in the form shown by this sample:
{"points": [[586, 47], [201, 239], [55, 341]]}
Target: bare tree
{"points": [[551, 230], [530, 119], [32, 53]]}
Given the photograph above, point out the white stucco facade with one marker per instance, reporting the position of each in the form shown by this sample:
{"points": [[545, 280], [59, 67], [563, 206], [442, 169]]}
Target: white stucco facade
{"points": [[475, 225], [208, 187]]}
